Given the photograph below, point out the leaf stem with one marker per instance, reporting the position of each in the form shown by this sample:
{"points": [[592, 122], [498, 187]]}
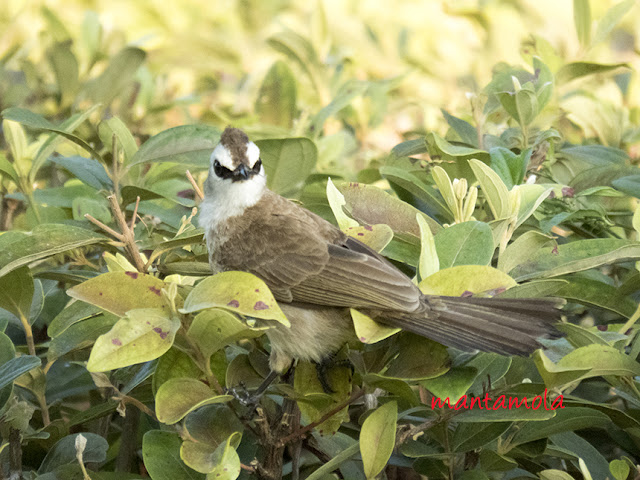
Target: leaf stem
{"points": [[28, 333]]}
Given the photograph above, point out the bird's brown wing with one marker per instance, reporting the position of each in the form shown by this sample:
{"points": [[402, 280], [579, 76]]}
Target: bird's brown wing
{"points": [[303, 258]]}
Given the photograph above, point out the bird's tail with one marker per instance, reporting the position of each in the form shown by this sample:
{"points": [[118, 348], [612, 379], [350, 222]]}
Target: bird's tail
{"points": [[502, 325]]}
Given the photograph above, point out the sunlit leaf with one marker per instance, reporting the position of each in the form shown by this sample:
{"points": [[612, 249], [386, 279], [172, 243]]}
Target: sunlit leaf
{"points": [[377, 439], [179, 396], [238, 292], [143, 335]]}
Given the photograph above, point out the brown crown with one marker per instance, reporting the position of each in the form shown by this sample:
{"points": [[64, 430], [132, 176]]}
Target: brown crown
{"points": [[236, 141]]}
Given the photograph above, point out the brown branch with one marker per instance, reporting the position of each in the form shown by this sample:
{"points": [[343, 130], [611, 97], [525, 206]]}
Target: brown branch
{"points": [[304, 430], [127, 237], [199, 193]]}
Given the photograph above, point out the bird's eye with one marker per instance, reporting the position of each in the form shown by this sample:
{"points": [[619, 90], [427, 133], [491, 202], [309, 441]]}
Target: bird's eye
{"points": [[222, 172], [257, 165]]}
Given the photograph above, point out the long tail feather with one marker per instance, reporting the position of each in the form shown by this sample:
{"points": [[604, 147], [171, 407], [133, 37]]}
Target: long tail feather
{"points": [[501, 325]]}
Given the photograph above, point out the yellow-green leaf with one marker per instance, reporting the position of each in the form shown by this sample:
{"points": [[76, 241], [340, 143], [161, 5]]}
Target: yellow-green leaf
{"points": [[119, 292], [238, 292], [429, 262], [455, 281], [377, 439], [336, 202], [495, 191], [374, 236], [143, 335], [179, 396], [368, 330]]}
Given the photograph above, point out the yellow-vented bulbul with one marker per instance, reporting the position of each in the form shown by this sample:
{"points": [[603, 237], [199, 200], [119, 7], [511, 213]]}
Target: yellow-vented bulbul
{"points": [[317, 273]]}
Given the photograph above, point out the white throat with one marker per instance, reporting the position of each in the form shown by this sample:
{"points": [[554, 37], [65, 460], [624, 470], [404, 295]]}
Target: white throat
{"points": [[225, 199]]}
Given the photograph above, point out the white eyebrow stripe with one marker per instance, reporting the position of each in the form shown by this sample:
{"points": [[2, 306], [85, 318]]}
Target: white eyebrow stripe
{"points": [[253, 154], [222, 154]]}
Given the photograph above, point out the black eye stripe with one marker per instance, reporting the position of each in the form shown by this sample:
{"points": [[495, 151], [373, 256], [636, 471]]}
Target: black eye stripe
{"points": [[222, 172], [257, 165]]}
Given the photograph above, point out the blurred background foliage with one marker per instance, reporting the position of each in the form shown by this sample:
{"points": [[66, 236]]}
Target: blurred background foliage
{"points": [[121, 98]]}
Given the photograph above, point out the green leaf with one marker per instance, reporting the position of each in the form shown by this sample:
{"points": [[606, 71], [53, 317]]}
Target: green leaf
{"points": [[16, 138], [187, 144], [576, 256], [312, 400], [629, 185], [468, 134], [300, 50], [593, 460], [494, 189], [65, 68], [97, 208], [238, 292], [287, 162], [620, 469], [522, 249], [509, 166], [276, 102], [371, 205], [80, 334], [179, 396], [469, 436], [565, 420], [213, 329], [64, 452], [127, 144], [33, 120], [453, 384], [429, 261], [415, 192], [455, 156], [16, 367], [555, 475], [409, 148], [16, 292], [119, 292], [6, 168], [118, 74], [7, 353], [375, 236], [586, 362], [347, 93], [368, 330], [467, 243], [418, 358], [87, 170], [377, 438], [226, 460], [521, 105], [592, 292], [572, 71], [212, 424], [143, 335], [161, 456], [50, 144], [582, 21], [611, 19], [455, 281]]}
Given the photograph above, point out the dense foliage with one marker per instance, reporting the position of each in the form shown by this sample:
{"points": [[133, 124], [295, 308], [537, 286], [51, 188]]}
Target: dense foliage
{"points": [[118, 349]]}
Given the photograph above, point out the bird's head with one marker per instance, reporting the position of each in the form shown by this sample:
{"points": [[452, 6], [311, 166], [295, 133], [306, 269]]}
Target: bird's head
{"points": [[236, 173]]}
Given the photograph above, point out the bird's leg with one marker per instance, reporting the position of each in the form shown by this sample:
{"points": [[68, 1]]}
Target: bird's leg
{"points": [[325, 365], [241, 393]]}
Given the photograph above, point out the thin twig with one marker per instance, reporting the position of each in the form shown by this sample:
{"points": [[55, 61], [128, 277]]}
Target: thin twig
{"points": [[114, 157], [107, 229], [135, 214], [127, 237], [199, 193], [304, 430]]}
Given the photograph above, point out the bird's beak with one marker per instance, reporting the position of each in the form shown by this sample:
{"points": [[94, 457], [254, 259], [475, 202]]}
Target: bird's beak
{"points": [[241, 173]]}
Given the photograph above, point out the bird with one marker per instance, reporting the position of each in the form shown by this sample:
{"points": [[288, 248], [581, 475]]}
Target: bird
{"points": [[317, 273]]}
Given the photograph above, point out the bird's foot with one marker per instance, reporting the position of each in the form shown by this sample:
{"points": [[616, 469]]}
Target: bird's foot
{"points": [[324, 367]]}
